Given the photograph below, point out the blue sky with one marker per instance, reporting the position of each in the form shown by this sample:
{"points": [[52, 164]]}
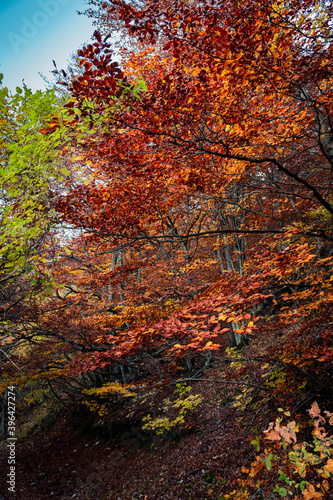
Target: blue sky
{"points": [[33, 32]]}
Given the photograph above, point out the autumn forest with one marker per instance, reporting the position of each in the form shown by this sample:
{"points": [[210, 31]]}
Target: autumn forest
{"points": [[166, 264]]}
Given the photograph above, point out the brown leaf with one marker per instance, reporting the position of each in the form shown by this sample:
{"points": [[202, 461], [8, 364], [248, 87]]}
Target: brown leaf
{"points": [[315, 410]]}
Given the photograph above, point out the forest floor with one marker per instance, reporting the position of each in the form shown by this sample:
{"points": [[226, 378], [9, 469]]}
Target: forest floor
{"points": [[84, 456], [77, 460]]}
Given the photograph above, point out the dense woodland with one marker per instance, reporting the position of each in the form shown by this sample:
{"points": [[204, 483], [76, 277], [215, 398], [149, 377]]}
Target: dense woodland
{"points": [[167, 245]]}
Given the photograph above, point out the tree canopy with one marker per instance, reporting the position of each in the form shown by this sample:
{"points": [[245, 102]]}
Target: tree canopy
{"points": [[176, 199]]}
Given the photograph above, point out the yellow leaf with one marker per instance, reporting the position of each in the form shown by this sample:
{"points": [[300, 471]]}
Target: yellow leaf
{"points": [[77, 271]]}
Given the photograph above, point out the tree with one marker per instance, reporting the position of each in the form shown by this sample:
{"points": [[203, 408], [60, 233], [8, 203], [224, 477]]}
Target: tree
{"points": [[227, 122], [30, 174], [239, 89], [200, 188]]}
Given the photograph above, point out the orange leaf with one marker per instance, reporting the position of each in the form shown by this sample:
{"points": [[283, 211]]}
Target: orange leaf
{"points": [[310, 493], [273, 434], [329, 466], [288, 432], [315, 410]]}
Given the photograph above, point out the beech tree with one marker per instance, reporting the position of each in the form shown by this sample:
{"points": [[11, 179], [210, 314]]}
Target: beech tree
{"points": [[215, 121]]}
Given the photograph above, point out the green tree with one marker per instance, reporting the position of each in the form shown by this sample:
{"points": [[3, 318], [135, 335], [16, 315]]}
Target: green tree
{"points": [[30, 172]]}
